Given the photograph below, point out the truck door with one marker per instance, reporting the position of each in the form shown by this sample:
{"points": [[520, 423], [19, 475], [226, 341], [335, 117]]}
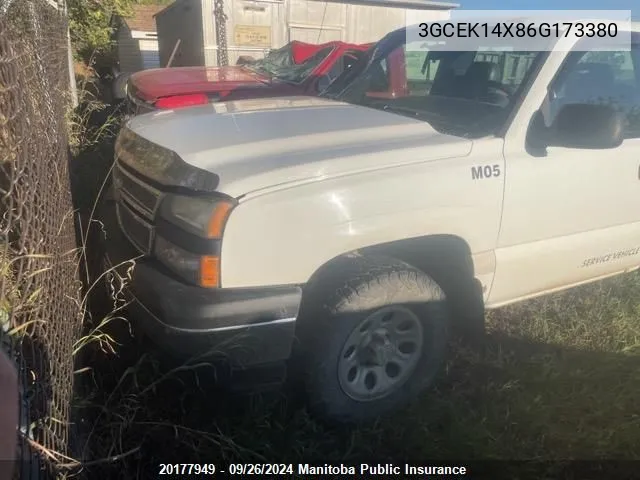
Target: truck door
{"points": [[571, 214]]}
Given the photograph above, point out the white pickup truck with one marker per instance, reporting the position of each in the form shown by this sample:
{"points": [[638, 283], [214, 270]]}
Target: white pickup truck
{"points": [[350, 234]]}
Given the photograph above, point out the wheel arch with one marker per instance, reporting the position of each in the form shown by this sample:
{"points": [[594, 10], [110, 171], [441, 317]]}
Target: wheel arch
{"points": [[445, 258]]}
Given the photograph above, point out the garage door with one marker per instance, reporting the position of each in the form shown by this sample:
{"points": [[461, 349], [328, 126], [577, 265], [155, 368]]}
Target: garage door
{"points": [[316, 22]]}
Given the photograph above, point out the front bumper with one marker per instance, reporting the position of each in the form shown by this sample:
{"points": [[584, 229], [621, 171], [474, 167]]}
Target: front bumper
{"points": [[247, 327]]}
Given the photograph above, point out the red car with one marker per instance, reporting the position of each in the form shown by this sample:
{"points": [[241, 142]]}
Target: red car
{"points": [[296, 69]]}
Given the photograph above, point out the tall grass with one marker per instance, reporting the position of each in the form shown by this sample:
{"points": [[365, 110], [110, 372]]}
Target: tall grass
{"points": [[558, 379]]}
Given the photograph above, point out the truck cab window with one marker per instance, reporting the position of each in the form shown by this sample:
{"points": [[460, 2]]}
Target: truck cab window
{"points": [[469, 93], [421, 70], [599, 77]]}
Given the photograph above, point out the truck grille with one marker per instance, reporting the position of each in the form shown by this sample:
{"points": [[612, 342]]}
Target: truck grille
{"points": [[137, 230], [136, 208], [139, 194]]}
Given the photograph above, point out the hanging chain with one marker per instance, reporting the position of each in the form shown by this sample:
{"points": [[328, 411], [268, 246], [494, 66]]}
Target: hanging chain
{"points": [[221, 32]]}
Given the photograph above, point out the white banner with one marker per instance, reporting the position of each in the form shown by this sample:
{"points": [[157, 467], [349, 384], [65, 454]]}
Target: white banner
{"points": [[521, 30]]}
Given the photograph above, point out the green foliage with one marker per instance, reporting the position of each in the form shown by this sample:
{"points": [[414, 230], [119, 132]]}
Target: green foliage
{"points": [[92, 25]]}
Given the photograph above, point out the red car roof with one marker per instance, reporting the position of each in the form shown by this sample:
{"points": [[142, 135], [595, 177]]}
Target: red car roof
{"points": [[302, 50], [150, 85]]}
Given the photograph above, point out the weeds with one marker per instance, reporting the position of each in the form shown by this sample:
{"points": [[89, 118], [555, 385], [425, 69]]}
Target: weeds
{"points": [[557, 380], [92, 122]]}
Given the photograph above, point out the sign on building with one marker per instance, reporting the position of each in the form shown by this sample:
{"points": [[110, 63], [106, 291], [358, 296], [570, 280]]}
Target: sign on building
{"points": [[252, 35]]}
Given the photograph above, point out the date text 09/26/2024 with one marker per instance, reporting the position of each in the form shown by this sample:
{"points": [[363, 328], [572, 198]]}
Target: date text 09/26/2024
{"points": [[209, 469]]}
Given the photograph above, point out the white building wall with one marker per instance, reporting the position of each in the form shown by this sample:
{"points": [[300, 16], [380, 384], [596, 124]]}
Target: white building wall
{"points": [[277, 22], [267, 19], [369, 24]]}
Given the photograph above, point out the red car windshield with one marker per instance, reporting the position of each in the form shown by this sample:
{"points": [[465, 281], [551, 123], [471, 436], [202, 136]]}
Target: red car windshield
{"points": [[279, 64], [281, 57]]}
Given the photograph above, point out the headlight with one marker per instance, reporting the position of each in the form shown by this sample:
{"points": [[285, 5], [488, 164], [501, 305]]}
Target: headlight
{"points": [[203, 217], [202, 270]]}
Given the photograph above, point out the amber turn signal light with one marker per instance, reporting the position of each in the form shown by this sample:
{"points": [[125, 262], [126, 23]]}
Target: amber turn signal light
{"points": [[218, 219], [209, 271]]}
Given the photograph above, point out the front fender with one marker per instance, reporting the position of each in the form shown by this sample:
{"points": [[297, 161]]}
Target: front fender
{"points": [[283, 237]]}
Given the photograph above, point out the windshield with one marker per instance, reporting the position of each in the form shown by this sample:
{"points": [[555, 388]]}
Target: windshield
{"points": [[281, 57], [463, 93], [279, 64]]}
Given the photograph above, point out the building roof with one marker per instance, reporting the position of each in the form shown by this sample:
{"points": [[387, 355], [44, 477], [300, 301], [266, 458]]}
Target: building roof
{"points": [[143, 19]]}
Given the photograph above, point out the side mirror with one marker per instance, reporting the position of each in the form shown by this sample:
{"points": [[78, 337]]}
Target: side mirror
{"points": [[587, 126]]}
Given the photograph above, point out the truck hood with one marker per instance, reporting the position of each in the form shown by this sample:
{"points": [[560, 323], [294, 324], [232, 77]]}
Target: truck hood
{"points": [[155, 83], [252, 145]]}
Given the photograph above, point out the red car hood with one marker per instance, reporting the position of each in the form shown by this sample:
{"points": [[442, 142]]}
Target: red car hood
{"points": [[152, 84]]}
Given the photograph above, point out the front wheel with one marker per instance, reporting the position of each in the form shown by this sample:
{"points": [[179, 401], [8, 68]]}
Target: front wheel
{"points": [[374, 336]]}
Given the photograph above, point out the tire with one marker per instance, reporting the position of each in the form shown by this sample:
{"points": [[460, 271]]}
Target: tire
{"points": [[377, 294]]}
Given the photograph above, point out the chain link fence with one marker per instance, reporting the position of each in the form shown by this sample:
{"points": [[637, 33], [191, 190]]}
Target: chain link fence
{"points": [[40, 293], [221, 32]]}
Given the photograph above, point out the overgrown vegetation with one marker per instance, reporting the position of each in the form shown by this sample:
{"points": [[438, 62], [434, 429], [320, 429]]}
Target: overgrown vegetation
{"points": [[558, 379], [91, 24]]}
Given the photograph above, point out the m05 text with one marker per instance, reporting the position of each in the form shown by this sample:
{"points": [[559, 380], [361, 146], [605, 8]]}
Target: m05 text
{"points": [[485, 171]]}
